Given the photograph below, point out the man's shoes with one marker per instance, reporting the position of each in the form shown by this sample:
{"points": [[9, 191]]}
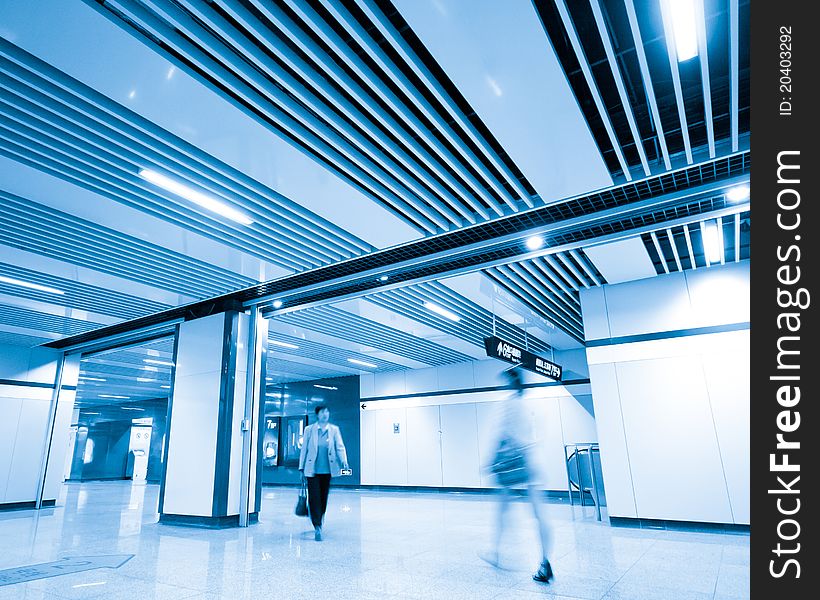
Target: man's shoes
{"points": [[544, 573]]}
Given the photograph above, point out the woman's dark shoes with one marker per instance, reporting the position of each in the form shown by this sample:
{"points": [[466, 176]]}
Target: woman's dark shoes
{"points": [[544, 574], [317, 534]]}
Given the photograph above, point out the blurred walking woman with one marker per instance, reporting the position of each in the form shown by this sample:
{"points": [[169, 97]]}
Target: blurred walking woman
{"points": [[323, 456], [515, 465]]}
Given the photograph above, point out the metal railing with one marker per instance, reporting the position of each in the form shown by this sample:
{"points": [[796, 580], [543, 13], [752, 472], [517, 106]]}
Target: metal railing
{"points": [[582, 474]]}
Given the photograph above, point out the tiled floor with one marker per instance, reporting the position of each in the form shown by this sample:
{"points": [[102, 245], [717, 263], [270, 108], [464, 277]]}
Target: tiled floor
{"points": [[377, 545]]}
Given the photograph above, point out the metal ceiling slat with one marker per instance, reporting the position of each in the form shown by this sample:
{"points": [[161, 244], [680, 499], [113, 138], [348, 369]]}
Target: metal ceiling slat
{"points": [[406, 171], [689, 247], [671, 237], [737, 237], [475, 313], [535, 298], [321, 82], [587, 269], [619, 83], [352, 27], [673, 66], [734, 70], [542, 271], [703, 58], [434, 86], [410, 305], [534, 280], [318, 351], [37, 320], [257, 105], [135, 129], [568, 264], [646, 77], [78, 168], [570, 275], [78, 238], [83, 141], [721, 241], [306, 120], [569, 26], [658, 249], [702, 225]]}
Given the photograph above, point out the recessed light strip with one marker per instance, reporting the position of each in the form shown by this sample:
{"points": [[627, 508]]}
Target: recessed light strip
{"points": [[29, 285], [442, 311], [356, 361], [197, 197]]}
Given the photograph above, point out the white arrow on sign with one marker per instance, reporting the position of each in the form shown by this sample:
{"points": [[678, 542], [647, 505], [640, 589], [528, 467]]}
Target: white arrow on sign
{"points": [[68, 564]]}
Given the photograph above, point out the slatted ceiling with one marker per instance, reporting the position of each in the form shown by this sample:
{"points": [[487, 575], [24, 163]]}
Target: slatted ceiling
{"points": [[77, 295], [20, 339], [340, 323], [325, 353], [476, 322], [281, 371], [14, 316], [638, 99], [80, 135], [392, 132], [681, 248], [41, 230]]}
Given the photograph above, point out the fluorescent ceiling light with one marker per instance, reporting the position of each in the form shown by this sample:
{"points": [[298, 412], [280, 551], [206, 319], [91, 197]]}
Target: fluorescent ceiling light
{"points": [[711, 243], [29, 285], [165, 387], [114, 396], [146, 379], [150, 368], [283, 344], [384, 278], [738, 193], [277, 304], [442, 311], [91, 413], [131, 408], [277, 395], [153, 361], [535, 242], [682, 14], [89, 378], [356, 361], [324, 387], [194, 196]]}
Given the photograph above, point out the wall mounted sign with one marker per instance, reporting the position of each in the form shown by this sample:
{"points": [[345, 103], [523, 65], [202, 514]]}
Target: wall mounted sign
{"points": [[516, 355]]}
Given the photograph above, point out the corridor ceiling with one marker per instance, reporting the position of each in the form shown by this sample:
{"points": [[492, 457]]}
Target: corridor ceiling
{"points": [[328, 130]]}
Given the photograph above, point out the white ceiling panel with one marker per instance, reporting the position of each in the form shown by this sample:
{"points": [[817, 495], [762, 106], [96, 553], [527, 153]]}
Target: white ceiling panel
{"points": [[500, 58], [625, 260], [76, 39]]}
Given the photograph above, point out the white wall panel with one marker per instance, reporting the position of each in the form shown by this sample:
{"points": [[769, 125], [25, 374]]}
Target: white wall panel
{"points": [[728, 376], [549, 470], [721, 294], [200, 346], [28, 450], [367, 388], [488, 417], [612, 440], [593, 310], [577, 419], [390, 383], [9, 421], [649, 305], [367, 423], [423, 446], [418, 381], [391, 448], [487, 373], [459, 445], [456, 377], [673, 450]]}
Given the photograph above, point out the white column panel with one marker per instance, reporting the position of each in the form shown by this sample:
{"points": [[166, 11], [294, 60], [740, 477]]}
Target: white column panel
{"points": [[728, 376], [612, 440], [391, 447], [421, 380], [367, 424], [578, 419], [28, 451], [456, 377], [9, 426], [459, 445], [593, 309], [61, 439], [240, 384], [673, 449], [721, 294], [423, 446], [390, 383]]}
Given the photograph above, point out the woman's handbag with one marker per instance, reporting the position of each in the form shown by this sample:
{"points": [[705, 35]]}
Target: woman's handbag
{"points": [[301, 504], [510, 464]]}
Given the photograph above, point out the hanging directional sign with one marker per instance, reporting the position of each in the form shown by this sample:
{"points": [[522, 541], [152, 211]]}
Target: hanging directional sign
{"points": [[69, 564], [512, 353]]}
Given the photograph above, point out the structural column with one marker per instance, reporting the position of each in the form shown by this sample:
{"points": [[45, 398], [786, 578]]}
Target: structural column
{"points": [[209, 417]]}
